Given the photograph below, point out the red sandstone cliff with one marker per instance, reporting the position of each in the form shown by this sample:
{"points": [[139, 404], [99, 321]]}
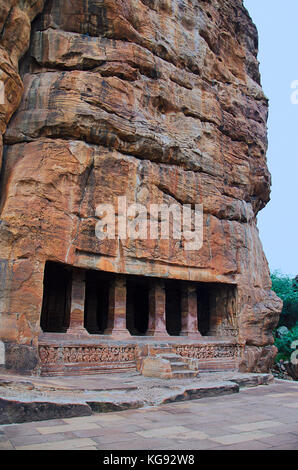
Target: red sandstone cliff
{"points": [[158, 100], [15, 28]]}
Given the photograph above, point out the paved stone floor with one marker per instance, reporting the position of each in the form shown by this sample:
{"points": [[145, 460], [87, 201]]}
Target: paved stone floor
{"points": [[265, 417]]}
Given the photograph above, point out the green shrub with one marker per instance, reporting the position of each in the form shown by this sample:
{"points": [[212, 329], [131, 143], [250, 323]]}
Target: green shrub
{"points": [[283, 286], [283, 344]]}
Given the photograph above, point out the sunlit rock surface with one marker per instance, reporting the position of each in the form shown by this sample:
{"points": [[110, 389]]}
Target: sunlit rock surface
{"points": [[156, 100]]}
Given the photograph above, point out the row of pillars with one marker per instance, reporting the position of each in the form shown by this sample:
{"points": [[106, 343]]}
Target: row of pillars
{"points": [[116, 326]]}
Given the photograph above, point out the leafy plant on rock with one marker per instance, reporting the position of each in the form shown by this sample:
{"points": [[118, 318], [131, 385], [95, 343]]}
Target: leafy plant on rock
{"points": [[284, 344], [284, 287]]}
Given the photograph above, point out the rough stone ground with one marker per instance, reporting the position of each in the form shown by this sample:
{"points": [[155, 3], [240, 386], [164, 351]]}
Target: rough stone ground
{"points": [[24, 399], [263, 417]]}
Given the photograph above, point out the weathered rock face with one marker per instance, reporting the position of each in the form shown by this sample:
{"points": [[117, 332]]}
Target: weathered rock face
{"points": [[15, 27], [156, 100]]}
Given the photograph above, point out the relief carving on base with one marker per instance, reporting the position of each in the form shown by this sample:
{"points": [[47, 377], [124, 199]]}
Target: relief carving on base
{"points": [[86, 354], [122, 354], [209, 351]]}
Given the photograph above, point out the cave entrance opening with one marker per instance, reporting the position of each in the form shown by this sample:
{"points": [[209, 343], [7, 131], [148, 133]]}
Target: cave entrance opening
{"points": [[137, 306], [55, 314], [102, 303], [96, 302], [173, 307]]}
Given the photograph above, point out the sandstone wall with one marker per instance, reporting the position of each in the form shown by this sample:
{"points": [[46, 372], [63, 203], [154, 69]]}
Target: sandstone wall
{"points": [[15, 29], [158, 100]]}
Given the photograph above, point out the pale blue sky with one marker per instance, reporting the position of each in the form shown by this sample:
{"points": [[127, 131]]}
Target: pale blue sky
{"points": [[278, 55]]}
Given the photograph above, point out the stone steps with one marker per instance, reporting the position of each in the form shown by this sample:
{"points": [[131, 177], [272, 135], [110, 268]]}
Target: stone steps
{"points": [[185, 374], [180, 367], [173, 358]]}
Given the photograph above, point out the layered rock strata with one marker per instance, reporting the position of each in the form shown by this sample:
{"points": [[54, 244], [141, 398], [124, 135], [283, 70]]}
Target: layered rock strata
{"points": [[156, 100], [15, 29]]}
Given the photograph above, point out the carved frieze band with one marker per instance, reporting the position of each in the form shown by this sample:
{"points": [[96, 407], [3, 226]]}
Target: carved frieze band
{"points": [[86, 354], [123, 354], [209, 351]]}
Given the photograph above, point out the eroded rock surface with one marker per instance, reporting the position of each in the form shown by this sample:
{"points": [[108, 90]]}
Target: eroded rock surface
{"points": [[15, 28], [158, 100]]}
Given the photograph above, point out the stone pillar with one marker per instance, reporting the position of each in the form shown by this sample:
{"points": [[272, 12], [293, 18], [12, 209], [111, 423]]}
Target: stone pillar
{"points": [[77, 306], [157, 310], [117, 309], [189, 312]]}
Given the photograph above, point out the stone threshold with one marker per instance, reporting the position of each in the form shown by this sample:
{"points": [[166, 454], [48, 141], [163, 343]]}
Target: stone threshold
{"points": [[27, 398]]}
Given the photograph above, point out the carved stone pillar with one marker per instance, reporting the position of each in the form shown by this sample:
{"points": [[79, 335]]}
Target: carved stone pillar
{"points": [[117, 309], [77, 306], [157, 310], [189, 312]]}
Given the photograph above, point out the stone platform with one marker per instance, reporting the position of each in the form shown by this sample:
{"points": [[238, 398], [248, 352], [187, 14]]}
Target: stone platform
{"points": [[65, 354], [29, 398], [257, 418]]}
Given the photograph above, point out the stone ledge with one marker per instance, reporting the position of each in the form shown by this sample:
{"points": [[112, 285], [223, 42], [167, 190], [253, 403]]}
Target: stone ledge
{"points": [[252, 380], [204, 391], [34, 399], [19, 411]]}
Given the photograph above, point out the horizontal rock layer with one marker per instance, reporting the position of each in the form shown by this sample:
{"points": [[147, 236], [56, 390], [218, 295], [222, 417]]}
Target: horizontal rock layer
{"points": [[15, 29], [157, 100]]}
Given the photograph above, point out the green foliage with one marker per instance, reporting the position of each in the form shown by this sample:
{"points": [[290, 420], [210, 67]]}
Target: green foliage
{"points": [[283, 286], [284, 343]]}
